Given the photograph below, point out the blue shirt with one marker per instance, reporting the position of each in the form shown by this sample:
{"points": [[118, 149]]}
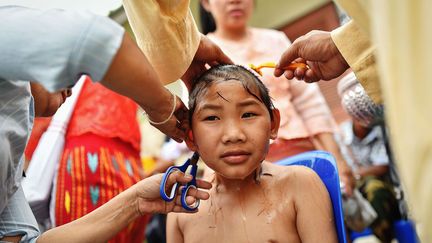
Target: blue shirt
{"points": [[369, 151], [54, 48]]}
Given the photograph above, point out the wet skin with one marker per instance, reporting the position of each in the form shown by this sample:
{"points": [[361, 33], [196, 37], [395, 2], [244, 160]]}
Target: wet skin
{"points": [[251, 200]]}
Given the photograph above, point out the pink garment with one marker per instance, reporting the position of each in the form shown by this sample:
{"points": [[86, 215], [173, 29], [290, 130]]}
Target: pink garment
{"points": [[304, 111]]}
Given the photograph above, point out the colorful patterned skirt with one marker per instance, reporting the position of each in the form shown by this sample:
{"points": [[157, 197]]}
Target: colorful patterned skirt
{"points": [[93, 170]]}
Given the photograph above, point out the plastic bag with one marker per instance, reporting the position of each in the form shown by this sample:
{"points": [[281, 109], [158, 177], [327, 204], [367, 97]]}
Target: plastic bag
{"points": [[358, 212]]}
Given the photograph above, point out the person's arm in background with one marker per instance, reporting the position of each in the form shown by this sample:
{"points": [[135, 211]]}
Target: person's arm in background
{"points": [[374, 170], [103, 223], [318, 119], [328, 143]]}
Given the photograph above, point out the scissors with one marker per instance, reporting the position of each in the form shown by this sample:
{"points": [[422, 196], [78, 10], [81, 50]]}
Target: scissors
{"points": [[191, 161]]}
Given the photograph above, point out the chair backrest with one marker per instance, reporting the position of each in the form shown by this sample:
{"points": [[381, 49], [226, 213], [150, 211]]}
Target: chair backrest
{"points": [[324, 165]]}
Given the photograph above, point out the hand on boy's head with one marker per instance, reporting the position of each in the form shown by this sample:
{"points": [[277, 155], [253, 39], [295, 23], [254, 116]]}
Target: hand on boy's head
{"points": [[208, 53], [175, 128], [150, 201]]}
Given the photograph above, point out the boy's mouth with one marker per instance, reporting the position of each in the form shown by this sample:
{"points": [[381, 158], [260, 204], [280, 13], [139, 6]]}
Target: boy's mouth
{"points": [[235, 156]]}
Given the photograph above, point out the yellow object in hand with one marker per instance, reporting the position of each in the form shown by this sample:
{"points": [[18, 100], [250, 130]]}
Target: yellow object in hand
{"points": [[291, 67]]}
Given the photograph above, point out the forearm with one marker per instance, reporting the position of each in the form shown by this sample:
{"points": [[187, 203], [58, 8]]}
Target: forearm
{"points": [[328, 143], [378, 170], [131, 75], [100, 225]]}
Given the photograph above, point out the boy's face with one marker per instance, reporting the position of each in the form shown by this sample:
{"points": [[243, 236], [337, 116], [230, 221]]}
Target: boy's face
{"points": [[231, 129]]}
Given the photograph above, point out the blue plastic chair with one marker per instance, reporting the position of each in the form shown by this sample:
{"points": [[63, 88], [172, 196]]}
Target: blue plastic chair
{"points": [[324, 165]]}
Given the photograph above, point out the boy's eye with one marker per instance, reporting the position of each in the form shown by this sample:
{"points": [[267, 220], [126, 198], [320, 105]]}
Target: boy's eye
{"points": [[211, 118], [248, 115]]}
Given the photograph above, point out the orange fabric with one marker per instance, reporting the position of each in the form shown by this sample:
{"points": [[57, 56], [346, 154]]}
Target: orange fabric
{"points": [[40, 125], [101, 111]]}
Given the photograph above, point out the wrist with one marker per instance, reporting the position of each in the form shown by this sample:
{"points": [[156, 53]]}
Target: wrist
{"points": [[160, 108]]}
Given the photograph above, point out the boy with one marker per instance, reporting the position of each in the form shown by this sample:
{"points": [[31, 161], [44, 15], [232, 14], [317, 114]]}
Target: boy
{"points": [[232, 119]]}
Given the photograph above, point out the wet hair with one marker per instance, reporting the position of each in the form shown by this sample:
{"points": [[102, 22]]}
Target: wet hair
{"points": [[227, 72]]}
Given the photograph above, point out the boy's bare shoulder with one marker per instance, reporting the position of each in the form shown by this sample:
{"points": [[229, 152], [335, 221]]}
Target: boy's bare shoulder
{"points": [[293, 174]]}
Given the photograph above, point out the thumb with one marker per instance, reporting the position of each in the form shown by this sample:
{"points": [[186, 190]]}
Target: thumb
{"points": [[287, 57], [222, 58]]}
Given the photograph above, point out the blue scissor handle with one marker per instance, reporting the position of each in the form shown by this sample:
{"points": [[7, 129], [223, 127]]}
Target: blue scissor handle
{"points": [[185, 190], [174, 188], [165, 177]]}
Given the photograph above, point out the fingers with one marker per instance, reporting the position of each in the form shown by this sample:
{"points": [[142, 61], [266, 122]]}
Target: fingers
{"points": [[178, 176], [222, 58], [209, 52], [194, 194], [287, 57], [203, 184], [310, 76]]}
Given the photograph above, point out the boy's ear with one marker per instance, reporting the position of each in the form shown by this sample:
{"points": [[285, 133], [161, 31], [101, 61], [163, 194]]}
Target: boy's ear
{"points": [[190, 141], [275, 123]]}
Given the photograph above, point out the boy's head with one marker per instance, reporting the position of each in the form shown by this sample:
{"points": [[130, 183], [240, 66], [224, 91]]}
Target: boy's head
{"points": [[232, 119]]}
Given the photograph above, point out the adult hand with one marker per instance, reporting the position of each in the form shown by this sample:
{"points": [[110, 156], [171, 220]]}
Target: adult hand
{"points": [[319, 52], [348, 180], [177, 125], [150, 201], [207, 53]]}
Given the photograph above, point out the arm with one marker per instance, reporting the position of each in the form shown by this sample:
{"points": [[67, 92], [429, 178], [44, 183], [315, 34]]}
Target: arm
{"points": [[103, 223], [47, 103], [314, 214], [173, 231], [374, 170], [92, 45], [313, 109], [328, 143]]}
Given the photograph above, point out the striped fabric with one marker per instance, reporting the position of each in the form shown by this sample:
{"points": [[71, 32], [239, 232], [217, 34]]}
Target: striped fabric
{"points": [[17, 219], [93, 170]]}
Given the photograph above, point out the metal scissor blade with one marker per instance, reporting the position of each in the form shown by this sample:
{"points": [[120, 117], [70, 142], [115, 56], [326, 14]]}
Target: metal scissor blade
{"points": [[194, 159]]}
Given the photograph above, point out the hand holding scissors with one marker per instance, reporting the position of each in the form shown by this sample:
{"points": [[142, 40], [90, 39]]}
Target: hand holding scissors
{"points": [[174, 190]]}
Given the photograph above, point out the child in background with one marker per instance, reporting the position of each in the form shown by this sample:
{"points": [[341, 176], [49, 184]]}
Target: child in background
{"points": [[232, 120]]}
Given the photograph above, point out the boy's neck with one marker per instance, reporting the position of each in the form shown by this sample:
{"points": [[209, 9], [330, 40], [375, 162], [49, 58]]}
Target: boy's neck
{"points": [[237, 184]]}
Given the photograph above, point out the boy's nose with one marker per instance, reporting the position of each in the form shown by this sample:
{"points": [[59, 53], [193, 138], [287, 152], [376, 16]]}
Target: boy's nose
{"points": [[233, 133]]}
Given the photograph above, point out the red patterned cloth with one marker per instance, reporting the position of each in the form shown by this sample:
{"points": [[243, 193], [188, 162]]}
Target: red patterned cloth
{"points": [[92, 171], [105, 113], [100, 158]]}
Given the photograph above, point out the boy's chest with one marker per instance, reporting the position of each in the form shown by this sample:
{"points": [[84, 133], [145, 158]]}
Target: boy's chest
{"points": [[259, 220]]}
